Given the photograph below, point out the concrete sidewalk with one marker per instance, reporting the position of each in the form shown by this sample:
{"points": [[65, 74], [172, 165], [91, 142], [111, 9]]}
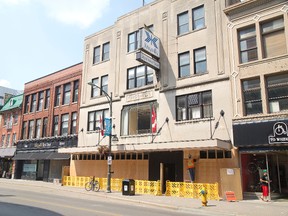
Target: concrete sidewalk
{"points": [[247, 207]]}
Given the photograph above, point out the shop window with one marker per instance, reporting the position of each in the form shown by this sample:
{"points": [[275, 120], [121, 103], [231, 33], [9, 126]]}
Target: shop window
{"points": [[247, 44], [277, 88], [252, 96]]}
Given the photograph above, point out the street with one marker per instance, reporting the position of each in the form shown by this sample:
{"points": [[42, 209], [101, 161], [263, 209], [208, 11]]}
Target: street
{"points": [[41, 201]]}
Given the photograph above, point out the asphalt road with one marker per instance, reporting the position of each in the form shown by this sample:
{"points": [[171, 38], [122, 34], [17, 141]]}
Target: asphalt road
{"points": [[31, 201]]}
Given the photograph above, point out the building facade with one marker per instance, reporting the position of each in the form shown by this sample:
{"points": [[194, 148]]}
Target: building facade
{"points": [[11, 114], [258, 39], [50, 121], [174, 106]]}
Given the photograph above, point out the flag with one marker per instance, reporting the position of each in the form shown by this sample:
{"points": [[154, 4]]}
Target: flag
{"points": [[101, 126], [154, 120]]}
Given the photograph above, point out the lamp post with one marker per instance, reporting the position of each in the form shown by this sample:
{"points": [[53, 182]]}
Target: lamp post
{"points": [[109, 160]]}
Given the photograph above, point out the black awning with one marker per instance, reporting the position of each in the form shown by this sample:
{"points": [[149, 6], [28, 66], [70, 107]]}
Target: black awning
{"points": [[58, 156], [22, 156], [40, 155]]}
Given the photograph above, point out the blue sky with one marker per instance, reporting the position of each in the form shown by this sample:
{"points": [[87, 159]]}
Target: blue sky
{"points": [[39, 37]]}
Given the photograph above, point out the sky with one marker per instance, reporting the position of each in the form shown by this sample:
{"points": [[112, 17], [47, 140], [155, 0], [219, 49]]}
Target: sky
{"points": [[39, 37]]}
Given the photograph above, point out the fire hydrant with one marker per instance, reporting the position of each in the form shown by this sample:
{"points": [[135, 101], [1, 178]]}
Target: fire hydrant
{"points": [[203, 194]]}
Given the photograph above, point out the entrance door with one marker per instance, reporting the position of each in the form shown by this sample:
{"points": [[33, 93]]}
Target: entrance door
{"points": [[168, 175], [40, 168], [46, 170]]}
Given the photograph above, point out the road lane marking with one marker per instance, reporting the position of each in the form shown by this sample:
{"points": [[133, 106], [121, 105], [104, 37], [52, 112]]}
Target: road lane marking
{"points": [[67, 206]]}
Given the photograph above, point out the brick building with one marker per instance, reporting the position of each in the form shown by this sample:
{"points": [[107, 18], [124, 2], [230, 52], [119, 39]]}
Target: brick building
{"points": [[50, 121]]}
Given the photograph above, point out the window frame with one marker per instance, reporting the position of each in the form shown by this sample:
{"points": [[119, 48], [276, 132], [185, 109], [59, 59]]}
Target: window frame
{"points": [[185, 24], [104, 84], [55, 125], [106, 51], [40, 101], [135, 43], [75, 91], [248, 38], [183, 66], [64, 131], [73, 129], [93, 124], [194, 20], [97, 54], [57, 96], [66, 94], [47, 99], [136, 76], [200, 61], [33, 102]]}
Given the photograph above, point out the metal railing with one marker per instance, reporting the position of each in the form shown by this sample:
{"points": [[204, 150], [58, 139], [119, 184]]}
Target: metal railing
{"points": [[179, 189]]}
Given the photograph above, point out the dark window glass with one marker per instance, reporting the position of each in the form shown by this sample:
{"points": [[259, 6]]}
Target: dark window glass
{"points": [[139, 76], [33, 103], [67, 94], [248, 45], [40, 101], [47, 99], [57, 96], [252, 96], [75, 90]]}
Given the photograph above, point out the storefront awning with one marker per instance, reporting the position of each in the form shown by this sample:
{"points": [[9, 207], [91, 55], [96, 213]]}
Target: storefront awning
{"points": [[7, 152], [41, 156]]}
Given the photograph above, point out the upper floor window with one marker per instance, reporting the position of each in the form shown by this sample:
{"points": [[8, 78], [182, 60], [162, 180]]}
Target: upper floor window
{"points": [[38, 128], [184, 64], [200, 61], [47, 99], [74, 123], [66, 94], [133, 39], [96, 56], [64, 124], [194, 106], [14, 138], [106, 51], [40, 101], [45, 127], [8, 140], [139, 76], [24, 130], [252, 96], [94, 89], [57, 96], [27, 100], [31, 129], [277, 89], [15, 118], [198, 18], [247, 44], [183, 23], [273, 38], [55, 125], [104, 84], [76, 91], [33, 103], [137, 119], [3, 140], [96, 120]]}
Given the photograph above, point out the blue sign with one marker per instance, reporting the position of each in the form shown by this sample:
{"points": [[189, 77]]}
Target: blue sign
{"points": [[108, 127]]}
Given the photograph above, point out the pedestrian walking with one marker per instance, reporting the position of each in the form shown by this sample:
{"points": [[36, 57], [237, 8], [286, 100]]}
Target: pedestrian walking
{"points": [[265, 186]]}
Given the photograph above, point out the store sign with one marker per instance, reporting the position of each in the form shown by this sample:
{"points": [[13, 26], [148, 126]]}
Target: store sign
{"points": [[280, 133], [147, 60], [149, 43]]}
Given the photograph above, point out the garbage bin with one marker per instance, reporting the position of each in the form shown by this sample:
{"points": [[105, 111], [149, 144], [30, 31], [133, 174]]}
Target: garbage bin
{"points": [[128, 187]]}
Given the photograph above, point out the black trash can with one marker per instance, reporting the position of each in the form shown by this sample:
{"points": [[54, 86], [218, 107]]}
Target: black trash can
{"points": [[128, 187]]}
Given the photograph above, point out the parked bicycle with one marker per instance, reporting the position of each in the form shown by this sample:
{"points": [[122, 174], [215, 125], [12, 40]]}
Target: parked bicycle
{"points": [[92, 185]]}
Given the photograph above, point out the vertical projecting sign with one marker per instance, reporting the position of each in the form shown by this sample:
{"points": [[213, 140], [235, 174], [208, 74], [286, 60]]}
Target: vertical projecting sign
{"points": [[149, 43]]}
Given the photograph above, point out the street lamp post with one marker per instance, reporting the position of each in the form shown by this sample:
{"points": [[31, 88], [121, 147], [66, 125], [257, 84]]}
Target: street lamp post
{"points": [[109, 160]]}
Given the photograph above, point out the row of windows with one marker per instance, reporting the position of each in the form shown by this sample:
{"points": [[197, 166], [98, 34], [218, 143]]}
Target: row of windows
{"points": [[39, 127], [96, 120], [276, 92], [115, 156], [10, 119], [7, 141], [272, 40], [105, 53], [41, 100], [213, 154]]}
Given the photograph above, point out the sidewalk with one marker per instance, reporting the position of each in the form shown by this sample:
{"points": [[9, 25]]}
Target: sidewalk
{"points": [[246, 207]]}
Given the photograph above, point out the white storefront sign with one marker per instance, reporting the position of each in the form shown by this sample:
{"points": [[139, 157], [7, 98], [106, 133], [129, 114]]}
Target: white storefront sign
{"points": [[149, 43]]}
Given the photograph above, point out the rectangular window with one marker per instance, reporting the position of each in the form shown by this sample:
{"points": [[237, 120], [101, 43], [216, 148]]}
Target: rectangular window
{"points": [[277, 88], [75, 91], [47, 99], [273, 38], [27, 100], [247, 44], [137, 119], [94, 89], [45, 127], [139, 76], [31, 129], [15, 118], [96, 56], [3, 140], [198, 18], [38, 128], [194, 106], [8, 140], [57, 96], [200, 61], [55, 125], [183, 23], [24, 130], [74, 123], [33, 103], [66, 94], [104, 84], [106, 51], [40, 101], [252, 96], [14, 138], [64, 124], [96, 120], [184, 64], [133, 40]]}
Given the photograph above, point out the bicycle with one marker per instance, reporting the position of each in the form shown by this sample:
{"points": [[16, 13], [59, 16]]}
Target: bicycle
{"points": [[92, 185]]}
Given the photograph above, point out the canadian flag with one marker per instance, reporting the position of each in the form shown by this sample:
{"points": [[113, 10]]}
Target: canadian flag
{"points": [[154, 120], [101, 126]]}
